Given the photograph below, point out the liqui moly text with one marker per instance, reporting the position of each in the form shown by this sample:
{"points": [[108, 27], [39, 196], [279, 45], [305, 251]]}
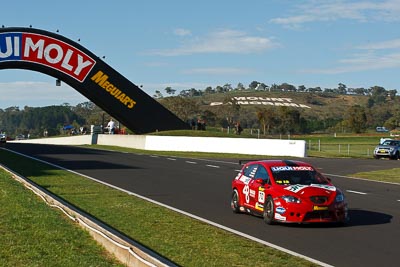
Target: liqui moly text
{"points": [[45, 50]]}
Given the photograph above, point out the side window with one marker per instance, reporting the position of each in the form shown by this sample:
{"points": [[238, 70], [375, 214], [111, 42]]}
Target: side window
{"points": [[262, 173], [250, 171]]}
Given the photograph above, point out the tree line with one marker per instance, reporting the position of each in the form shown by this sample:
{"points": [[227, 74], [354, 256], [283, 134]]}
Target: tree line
{"points": [[381, 109], [35, 121], [341, 89]]}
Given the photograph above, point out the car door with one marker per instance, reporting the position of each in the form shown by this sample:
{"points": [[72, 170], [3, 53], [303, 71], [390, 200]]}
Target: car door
{"points": [[248, 188], [258, 186]]}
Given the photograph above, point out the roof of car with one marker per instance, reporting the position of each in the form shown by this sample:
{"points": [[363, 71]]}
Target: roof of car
{"points": [[279, 162]]}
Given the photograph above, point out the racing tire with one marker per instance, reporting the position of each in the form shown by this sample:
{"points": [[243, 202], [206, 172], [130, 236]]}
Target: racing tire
{"points": [[269, 211], [396, 156], [235, 200]]}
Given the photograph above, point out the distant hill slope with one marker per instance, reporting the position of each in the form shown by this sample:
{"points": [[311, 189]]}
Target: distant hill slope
{"points": [[309, 104]]}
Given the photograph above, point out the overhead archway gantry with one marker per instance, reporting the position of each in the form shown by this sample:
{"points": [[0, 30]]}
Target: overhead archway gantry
{"points": [[68, 61]]}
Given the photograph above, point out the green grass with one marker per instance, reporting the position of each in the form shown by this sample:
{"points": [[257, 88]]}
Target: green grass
{"points": [[181, 239], [341, 146], [32, 234], [186, 241], [392, 175]]}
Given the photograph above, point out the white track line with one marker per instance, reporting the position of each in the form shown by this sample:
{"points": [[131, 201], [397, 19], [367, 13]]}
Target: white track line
{"points": [[187, 214], [212, 166], [356, 192]]}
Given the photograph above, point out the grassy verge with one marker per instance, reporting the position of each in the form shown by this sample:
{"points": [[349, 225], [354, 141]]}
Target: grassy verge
{"points": [[392, 175], [34, 235], [183, 240]]}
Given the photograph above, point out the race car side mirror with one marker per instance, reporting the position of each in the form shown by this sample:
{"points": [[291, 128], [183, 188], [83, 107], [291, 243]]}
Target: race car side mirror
{"points": [[260, 181]]}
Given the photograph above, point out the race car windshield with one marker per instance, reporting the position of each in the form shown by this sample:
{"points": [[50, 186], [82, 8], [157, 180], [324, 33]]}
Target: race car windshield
{"points": [[290, 177]]}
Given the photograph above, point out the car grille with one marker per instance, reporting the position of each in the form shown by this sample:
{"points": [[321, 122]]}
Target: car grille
{"points": [[318, 215], [319, 199]]}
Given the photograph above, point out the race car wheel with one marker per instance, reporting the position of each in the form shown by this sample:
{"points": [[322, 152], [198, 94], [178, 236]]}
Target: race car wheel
{"points": [[235, 201], [268, 213]]}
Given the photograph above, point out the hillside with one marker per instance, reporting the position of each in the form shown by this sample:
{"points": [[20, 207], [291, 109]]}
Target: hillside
{"points": [[287, 111], [309, 104]]}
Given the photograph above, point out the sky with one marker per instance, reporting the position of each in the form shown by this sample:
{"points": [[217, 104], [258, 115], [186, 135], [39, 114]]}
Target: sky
{"points": [[196, 44]]}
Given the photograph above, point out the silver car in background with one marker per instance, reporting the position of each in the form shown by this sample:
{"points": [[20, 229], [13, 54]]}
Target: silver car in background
{"points": [[389, 148]]}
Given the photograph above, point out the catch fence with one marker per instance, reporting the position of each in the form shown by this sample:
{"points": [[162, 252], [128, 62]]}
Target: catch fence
{"points": [[340, 149]]}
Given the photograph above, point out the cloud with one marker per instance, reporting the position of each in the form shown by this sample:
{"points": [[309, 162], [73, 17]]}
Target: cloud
{"points": [[391, 44], [333, 10], [222, 41], [182, 32], [218, 71], [372, 56]]}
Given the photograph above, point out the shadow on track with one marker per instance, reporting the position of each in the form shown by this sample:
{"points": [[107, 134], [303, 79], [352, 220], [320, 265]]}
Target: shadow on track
{"points": [[360, 217]]}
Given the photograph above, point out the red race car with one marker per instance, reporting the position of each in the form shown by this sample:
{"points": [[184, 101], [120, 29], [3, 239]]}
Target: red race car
{"points": [[287, 191]]}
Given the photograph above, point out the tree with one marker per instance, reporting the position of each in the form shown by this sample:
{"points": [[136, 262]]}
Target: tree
{"points": [[289, 120], [301, 88], [274, 87], [210, 117], [240, 87], [219, 89], [209, 90], [378, 96], [360, 91], [342, 89], [253, 85], [158, 94], [267, 117], [356, 119], [287, 87], [315, 89], [183, 107], [170, 91], [392, 94], [227, 87], [230, 110]]}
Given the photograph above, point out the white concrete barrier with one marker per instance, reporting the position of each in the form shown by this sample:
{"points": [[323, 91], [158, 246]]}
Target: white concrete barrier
{"points": [[269, 147], [67, 140], [266, 147], [131, 141]]}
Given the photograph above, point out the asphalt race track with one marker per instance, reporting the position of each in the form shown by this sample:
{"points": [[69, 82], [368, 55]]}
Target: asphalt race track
{"points": [[202, 188]]}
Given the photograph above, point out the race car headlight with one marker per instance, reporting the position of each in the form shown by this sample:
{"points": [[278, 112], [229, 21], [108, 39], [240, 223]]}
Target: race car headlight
{"points": [[339, 197], [391, 149], [291, 199]]}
